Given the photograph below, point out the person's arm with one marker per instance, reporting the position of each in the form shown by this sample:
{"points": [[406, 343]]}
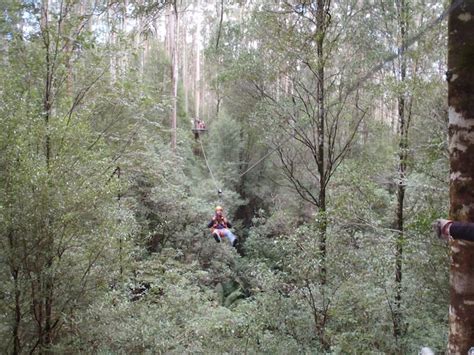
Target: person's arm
{"points": [[460, 230], [211, 223], [229, 225]]}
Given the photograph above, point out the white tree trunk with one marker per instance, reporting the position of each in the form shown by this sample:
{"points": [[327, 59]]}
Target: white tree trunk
{"points": [[185, 69], [174, 20], [460, 76], [197, 77]]}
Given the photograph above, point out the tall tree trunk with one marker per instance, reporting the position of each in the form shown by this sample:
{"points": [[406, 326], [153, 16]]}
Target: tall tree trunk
{"points": [[174, 19], [321, 18], [168, 36], [402, 166], [47, 94], [400, 237], [112, 39], [14, 261], [197, 77], [123, 58], [461, 149], [140, 42], [14, 272], [220, 13], [184, 74], [49, 298], [45, 284]]}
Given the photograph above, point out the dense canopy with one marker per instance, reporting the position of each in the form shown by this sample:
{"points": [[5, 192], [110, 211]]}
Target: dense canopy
{"points": [[323, 123]]}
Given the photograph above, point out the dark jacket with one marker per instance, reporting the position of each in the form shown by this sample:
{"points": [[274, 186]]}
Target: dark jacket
{"points": [[460, 230]]}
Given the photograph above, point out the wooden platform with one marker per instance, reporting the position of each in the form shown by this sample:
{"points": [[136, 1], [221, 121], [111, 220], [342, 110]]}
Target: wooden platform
{"points": [[199, 130]]}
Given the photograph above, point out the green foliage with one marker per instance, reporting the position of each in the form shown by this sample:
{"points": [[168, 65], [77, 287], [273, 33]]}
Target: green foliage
{"points": [[107, 232]]}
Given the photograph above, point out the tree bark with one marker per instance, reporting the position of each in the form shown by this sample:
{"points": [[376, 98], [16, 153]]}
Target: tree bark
{"points": [[174, 19], [461, 150], [14, 272], [46, 286], [184, 74], [402, 166], [221, 18], [123, 57], [197, 78], [321, 18], [111, 42], [47, 95]]}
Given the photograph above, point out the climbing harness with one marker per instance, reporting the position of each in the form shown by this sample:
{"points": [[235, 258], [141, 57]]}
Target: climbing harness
{"points": [[217, 222]]}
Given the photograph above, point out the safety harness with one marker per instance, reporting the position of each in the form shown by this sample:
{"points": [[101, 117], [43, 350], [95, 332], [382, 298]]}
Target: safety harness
{"points": [[218, 222]]}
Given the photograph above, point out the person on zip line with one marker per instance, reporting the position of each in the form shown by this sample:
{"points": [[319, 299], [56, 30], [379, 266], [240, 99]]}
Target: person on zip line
{"points": [[219, 226]]}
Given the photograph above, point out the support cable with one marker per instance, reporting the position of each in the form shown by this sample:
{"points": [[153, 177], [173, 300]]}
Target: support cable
{"points": [[219, 191]]}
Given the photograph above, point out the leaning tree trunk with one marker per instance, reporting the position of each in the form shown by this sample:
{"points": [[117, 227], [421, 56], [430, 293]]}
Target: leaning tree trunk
{"points": [[461, 149]]}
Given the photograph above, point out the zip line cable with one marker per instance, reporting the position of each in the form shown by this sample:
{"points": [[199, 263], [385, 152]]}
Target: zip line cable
{"points": [[219, 191], [265, 156], [372, 71]]}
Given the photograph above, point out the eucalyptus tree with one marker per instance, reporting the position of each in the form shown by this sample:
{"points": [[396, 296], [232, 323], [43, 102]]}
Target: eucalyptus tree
{"points": [[58, 212], [461, 149], [404, 105], [174, 30], [316, 100], [398, 25], [294, 62]]}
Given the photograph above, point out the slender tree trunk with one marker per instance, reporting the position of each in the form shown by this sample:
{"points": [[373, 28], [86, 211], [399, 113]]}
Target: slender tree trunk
{"points": [[69, 74], [277, 88], [140, 43], [111, 41], [168, 36], [185, 70], [461, 149], [47, 94], [220, 13], [197, 77], [402, 166], [218, 92], [174, 19], [48, 305], [16, 325], [37, 307], [118, 171], [321, 18], [123, 29], [400, 237], [218, 104], [14, 272], [45, 285]]}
